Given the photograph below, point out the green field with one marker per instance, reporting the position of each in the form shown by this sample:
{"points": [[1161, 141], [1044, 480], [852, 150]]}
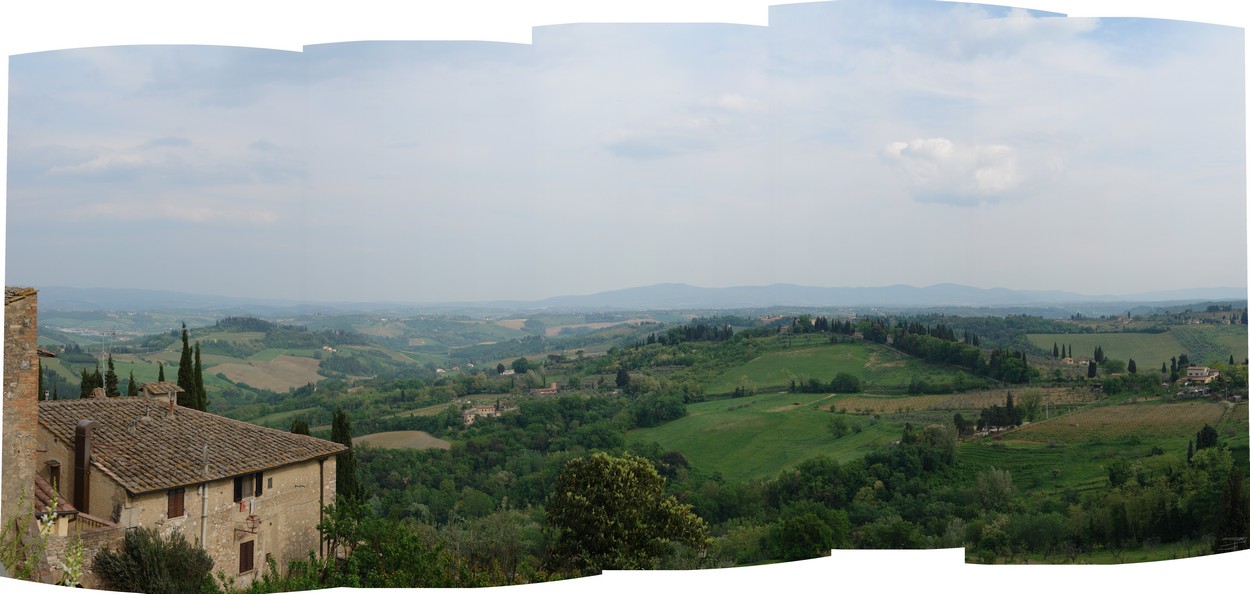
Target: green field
{"points": [[281, 419], [1072, 451], [1205, 344], [873, 364], [232, 337], [758, 436]]}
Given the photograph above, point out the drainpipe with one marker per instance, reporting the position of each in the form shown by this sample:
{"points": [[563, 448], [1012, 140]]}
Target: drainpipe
{"points": [[204, 503], [204, 516]]}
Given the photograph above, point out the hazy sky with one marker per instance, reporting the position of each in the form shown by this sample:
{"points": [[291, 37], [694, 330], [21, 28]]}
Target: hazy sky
{"points": [[855, 143]]}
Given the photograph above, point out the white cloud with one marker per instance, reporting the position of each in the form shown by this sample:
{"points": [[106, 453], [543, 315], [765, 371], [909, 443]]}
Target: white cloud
{"points": [[102, 165], [737, 103], [941, 171], [167, 211]]}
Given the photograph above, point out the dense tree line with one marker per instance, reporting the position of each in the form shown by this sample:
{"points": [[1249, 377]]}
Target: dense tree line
{"points": [[842, 383]]}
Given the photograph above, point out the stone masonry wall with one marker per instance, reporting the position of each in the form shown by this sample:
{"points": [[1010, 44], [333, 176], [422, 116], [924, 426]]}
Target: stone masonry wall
{"points": [[21, 384]]}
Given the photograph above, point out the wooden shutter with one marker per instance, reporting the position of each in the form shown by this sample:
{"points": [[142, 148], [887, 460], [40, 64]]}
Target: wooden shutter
{"points": [[247, 551], [176, 500]]}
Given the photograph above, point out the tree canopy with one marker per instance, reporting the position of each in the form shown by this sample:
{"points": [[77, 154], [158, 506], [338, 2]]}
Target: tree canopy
{"points": [[611, 513]]}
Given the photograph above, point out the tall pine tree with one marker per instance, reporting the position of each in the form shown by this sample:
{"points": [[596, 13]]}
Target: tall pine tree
{"points": [[132, 389], [89, 381], [186, 374], [160, 371], [346, 475], [201, 397], [110, 379]]}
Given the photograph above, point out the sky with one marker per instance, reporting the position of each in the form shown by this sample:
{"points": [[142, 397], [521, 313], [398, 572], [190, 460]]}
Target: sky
{"points": [[854, 143]]}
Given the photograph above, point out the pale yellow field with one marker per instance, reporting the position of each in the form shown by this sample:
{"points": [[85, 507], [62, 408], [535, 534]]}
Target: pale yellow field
{"points": [[555, 330], [414, 440], [281, 374], [967, 400]]}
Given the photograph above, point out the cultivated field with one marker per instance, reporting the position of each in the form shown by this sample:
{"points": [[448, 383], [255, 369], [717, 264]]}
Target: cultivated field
{"points": [[873, 364], [280, 374], [758, 436], [1205, 344], [514, 324], [1129, 420], [397, 440], [867, 404]]}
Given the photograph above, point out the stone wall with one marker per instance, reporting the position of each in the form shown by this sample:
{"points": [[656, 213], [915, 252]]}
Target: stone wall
{"points": [[93, 541], [21, 384]]}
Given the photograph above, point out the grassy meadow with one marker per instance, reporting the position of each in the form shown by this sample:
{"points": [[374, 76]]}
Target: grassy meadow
{"points": [[758, 436], [875, 365], [1072, 451], [1206, 344]]}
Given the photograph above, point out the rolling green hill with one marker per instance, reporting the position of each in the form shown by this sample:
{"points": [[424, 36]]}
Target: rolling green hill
{"points": [[1207, 344], [758, 436], [873, 364]]}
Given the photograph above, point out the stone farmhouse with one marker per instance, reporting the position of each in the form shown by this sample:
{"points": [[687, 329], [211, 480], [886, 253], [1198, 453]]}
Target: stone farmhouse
{"points": [[1198, 374], [245, 494]]}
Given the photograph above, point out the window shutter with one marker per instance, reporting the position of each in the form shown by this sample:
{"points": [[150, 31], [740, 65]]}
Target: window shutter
{"points": [[259, 479], [246, 552], [238, 489], [176, 501]]}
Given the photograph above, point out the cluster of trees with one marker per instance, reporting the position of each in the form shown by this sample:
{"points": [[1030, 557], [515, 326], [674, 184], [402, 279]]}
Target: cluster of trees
{"points": [[805, 324], [842, 383], [692, 332], [191, 375], [1007, 366]]}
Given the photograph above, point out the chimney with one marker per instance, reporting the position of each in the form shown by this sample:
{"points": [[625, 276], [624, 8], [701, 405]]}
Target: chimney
{"points": [[82, 464]]}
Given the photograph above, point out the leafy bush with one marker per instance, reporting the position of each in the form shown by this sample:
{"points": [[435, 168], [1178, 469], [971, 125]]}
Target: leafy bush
{"points": [[156, 565]]}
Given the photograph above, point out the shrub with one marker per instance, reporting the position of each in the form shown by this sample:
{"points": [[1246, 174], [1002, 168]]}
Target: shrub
{"points": [[155, 565]]}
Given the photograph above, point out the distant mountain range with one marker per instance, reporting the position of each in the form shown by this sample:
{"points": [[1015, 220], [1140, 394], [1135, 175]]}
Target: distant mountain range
{"points": [[654, 297]]}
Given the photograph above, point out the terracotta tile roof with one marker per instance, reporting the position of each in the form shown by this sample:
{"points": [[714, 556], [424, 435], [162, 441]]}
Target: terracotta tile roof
{"points": [[156, 388], [163, 451], [43, 498]]}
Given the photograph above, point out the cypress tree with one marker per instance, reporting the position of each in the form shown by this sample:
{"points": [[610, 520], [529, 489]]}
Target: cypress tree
{"points": [[89, 381], [160, 371], [133, 388], [110, 380], [1093, 369], [186, 374], [40, 395], [299, 426], [346, 475], [1132, 366], [1054, 351], [201, 397]]}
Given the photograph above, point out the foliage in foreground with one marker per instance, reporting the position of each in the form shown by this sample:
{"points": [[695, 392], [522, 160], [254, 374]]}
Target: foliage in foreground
{"points": [[612, 513], [153, 564]]}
